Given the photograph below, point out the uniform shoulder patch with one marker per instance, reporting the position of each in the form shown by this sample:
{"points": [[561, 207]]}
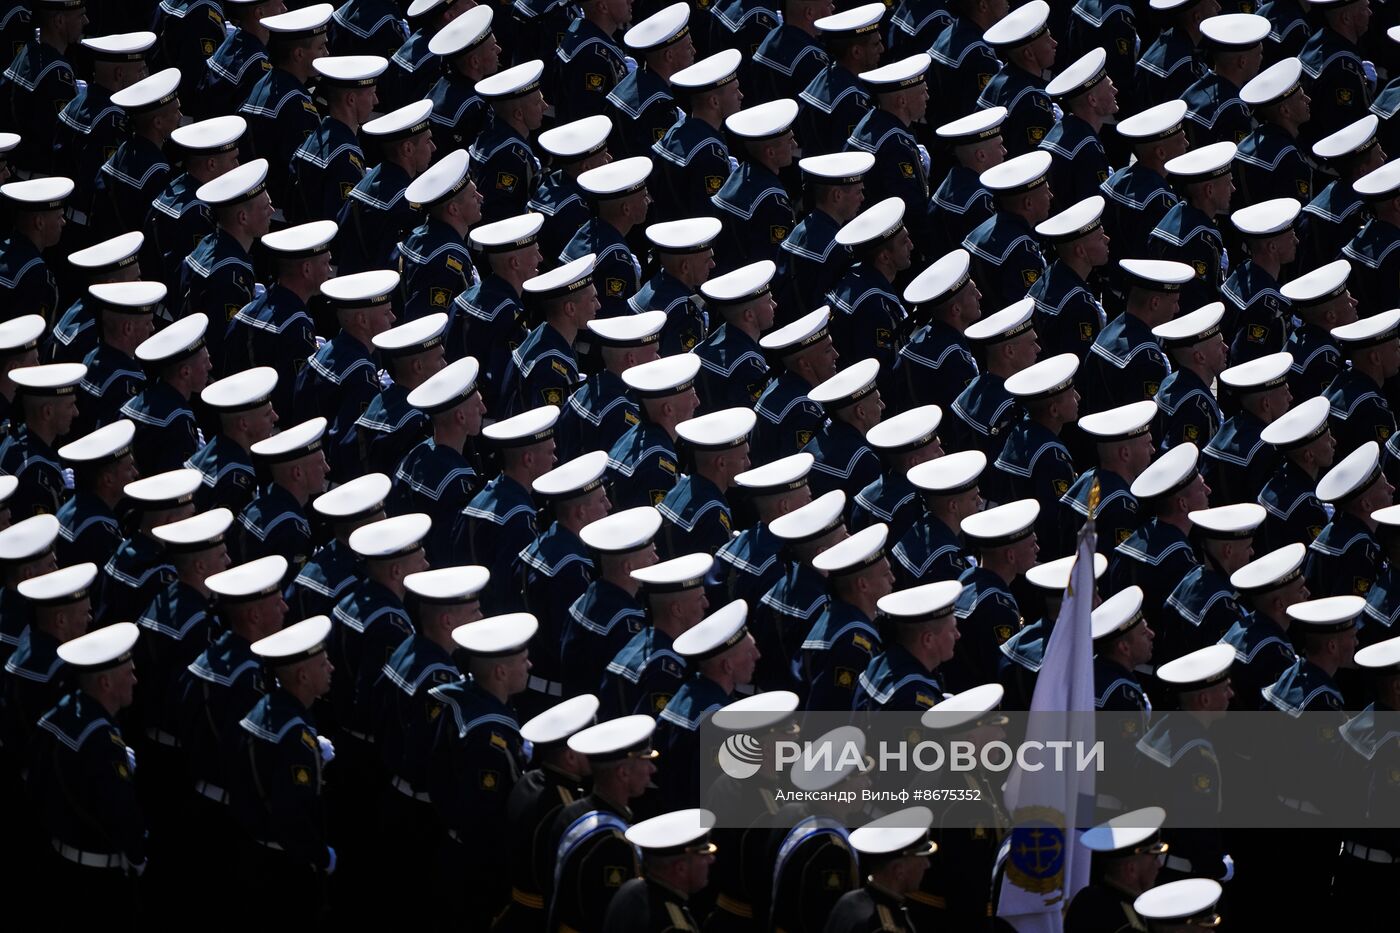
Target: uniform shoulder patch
{"points": [[506, 181], [301, 775]]}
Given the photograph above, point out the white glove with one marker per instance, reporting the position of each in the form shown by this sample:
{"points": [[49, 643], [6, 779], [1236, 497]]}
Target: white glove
{"points": [[630, 62], [259, 289], [923, 157], [385, 380], [67, 478], [1229, 868], [733, 165], [1370, 70], [199, 436], [229, 28], [320, 341], [80, 84], [1059, 114], [330, 869], [1224, 263], [327, 750], [131, 759]]}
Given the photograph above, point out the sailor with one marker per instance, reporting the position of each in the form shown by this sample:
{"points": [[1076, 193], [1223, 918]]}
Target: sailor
{"points": [[1122, 643], [676, 855], [328, 165], [237, 63], [733, 370], [1123, 439], [843, 640], [1138, 194], [1344, 558], [936, 364], [367, 27], [1238, 461], [469, 52], [643, 102], [190, 31], [48, 402], [601, 409], [488, 317], [503, 166], [1023, 654], [1268, 585], [1270, 163], [1126, 364], [438, 476], [894, 853], [126, 312], [1158, 554], [1187, 233], [697, 513], [809, 259], [137, 172], [899, 92], [177, 219], [931, 550], [1006, 258], [984, 411], [91, 126], [414, 68], [960, 204], [276, 329], [333, 567], [1174, 61], [1320, 301], [39, 80], [274, 520], [1335, 213], [1023, 42], [37, 222], [19, 348], [754, 198], [1126, 855], [1360, 409], [1089, 99], [1204, 602], [1005, 542], [643, 463], [851, 400], [684, 250], [1372, 250], [177, 362], [787, 418], [835, 102], [693, 155], [920, 632], [573, 148], [1068, 315], [102, 466], [789, 56], [1233, 45], [902, 442], [26, 550], [747, 565], [242, 404], [390, 426], [588, 64], [433, 257], [868, 318], [74, 334], [966, 60], [544, 369], [1332, 62], [619, 196], [1259, 316], [1306, 449], [137, 570]]}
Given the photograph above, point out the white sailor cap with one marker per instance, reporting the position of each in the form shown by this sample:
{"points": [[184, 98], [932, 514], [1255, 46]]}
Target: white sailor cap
{"points": [[620, 532], [357, 498], [128, 297], [1318, 286], [901, 834], [416, 336], [616, 179], [814, 520], [1157, 275], [1135, 833], [509, 235], [907, 431], [50, 379], [561, 721], [40, 194], [847, 387], [1353, 476], [949, 474], [497, 636], [236, 185], [391, 538], [1383, 657], [922, 603], [420, 8], [897, 76], [151, 93], [764, 121], [977, 127], [736, 289], [1045, 379], [8, 142], [529, 427], [966, 709], [1352, 140], [576, 141], [1169, 473], [1202, 164], [440, 183], [1369, 331], [120, 46], [1273, 84], [59, 587], [1117, 614], [1121, 423], [1154, 123], [849, 24], [1002, 525], [447, 388], [1387, 518], [1260, 374], [300, 24], [1198, 670], [100, 650], [177, 341], [801, 334], [1235, 30], [1073, 222], [628, 330], [873, 227], [686, 572], [860, 550], [719, 430], [691, 235], [1018, 175], [778, 476], [350, 71], [942, 280], [1054, 575], [302, 241], [248, 582], [1167, 6], [196, 533], [577, 477], [1275, 569], [1008, 323], [573, 276], [708, 73], [404, 123], [464, 33], [1236, 522], [300, 440], [28, 539], [217, 134], [616, 739], [681, 832], [1326, 615], [107, 444], [1080, 77], [361, 289], [243, 391], [8, 485], [823, 770], [659, 30], [21, 334], [295, 643], [715, 634], [110, 255], [512, 83], [164, 490], [769, 711], [836, 168], [1267, 218], [1022, 25], [670, 375]]}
